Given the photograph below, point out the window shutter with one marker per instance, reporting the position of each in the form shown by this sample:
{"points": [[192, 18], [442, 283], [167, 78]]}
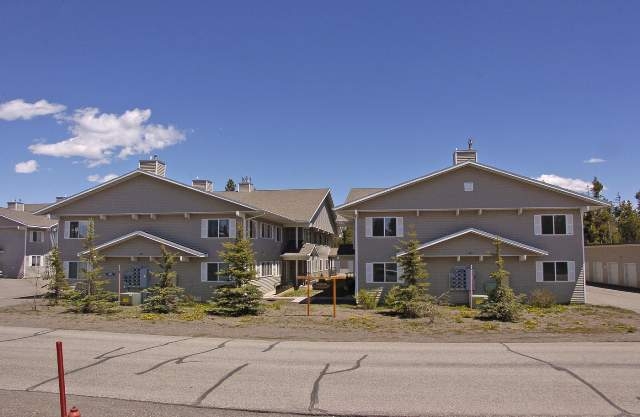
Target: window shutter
{"points": [[66, 229], [204, 228], [400, 272], [571, 266], [537, 225], [369, 272], [65, 266], [41, 236], [203, 271], [368, 227], [538, 271], [400, 226], [569, 220], [232, 228], [258, 270]]}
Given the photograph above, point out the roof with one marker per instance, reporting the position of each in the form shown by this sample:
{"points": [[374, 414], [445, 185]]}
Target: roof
{"points": [[153, 238], [297, 205], [550, 187], [304, 253], [346, 249], [33, 207], [27, 219], [482, 233], [358, 193]]}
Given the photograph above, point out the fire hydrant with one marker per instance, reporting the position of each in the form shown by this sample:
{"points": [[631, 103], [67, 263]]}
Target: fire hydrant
{"points": [[74, 412]]}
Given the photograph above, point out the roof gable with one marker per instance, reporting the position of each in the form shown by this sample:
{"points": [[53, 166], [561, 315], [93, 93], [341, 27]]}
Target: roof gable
{"points": [[25, 218], [143, 244], [493, 188]]}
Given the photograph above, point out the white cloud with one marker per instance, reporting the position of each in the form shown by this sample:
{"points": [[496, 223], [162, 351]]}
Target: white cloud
{"points": [[98, 137], [594, 161], [573, 184], [101, 179], [27, 167], [20, 109]]}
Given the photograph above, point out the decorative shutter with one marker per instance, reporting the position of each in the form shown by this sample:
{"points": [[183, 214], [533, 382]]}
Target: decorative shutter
{"points": [[537, 225], [368, 227], [67, 226], [569, 221], [538, 271], [232, 228], [400, 226], [571, 266], [399, 272], [369, 272], [204, 228], [65, 266], [203, 271]]}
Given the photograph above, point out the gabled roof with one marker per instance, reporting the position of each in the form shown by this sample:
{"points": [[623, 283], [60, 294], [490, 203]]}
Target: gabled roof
{"points": [[531, 181], [481, 233], [33, 207], [153, 238], [27, 219], [297, 205], [358, 193], [305, 252]]}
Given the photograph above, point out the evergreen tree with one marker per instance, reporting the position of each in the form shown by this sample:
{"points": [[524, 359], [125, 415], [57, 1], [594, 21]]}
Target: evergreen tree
{"points": [[414, 269], [502, 304], [58, 282], [164, 297], [638, 199], [629, 223], [600, 225], [231, 185], [596, 188], [240, 260]]}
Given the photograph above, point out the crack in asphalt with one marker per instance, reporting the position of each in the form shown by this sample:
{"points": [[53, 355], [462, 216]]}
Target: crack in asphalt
{"points": [[39, 333], [315, 392], [622, 411], [217, 384], [271, 346], [181, 359], [104, 358]]}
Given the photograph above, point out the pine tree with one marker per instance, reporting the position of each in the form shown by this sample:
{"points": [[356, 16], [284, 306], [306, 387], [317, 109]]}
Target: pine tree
{"points": [[502, 304], [240, 260], [629, 223], [231, 185], [414, 269], [638, 199], [58, 283], [164, 297]]}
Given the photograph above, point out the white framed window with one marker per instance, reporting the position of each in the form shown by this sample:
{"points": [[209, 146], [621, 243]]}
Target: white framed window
{"points": [[383, 272], [76, 229], [266, 231], [35, 260], [36, 236], [218, 228], [74, 269], [253, 228], [553, 224], [213, 272], [384, 227], [468, 186], [555, 271]]}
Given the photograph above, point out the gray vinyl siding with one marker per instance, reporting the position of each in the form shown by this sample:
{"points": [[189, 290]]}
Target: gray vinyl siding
{"points": [[12, 245], [324, 219], [508, 224]]}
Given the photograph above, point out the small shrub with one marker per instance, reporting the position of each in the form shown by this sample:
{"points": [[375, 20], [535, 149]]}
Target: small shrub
{"points": [[367, 300], [236, 301], [196, 313], [542, 298], [421, 309], [101, 302], [162, 300], [411, 302], [502, 305]]}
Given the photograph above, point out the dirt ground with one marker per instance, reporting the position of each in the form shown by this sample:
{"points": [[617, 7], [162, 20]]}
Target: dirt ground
{"points": [[285, 320]]}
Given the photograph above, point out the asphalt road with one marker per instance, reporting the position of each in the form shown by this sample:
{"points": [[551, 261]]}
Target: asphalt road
{"points": [[15, 291], [245, 376], [617, 298]]}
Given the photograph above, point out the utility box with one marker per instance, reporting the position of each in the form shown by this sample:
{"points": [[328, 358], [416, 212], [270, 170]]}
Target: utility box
{"points": [[130, 298]]}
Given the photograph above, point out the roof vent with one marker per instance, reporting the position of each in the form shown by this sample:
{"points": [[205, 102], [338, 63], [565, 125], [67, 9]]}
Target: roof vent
{"points": [[246, 185], [153, 166], [465, 155], [204, 185]]}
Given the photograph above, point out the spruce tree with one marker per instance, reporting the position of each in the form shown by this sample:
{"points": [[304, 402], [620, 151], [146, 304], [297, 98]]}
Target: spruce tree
{"points": [[240, 260], [58, 282], [231, 185], [164, 297], [502, 304], [414, 269]]}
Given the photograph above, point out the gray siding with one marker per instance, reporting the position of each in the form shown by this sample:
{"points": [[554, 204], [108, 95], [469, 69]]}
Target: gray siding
{"points": [[324, 219], [12, 242]]}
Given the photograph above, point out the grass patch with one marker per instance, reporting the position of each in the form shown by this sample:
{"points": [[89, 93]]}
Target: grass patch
{"points": [[300, 292], [195, 313], [150, 316], [276, 305], [489, 326], [530, 324]]}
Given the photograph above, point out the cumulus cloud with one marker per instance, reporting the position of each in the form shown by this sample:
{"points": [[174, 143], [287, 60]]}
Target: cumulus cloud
{"points": [[101, 179], [99, 137], [27, 167], [594, 161], [573, 184], [20, 109]]}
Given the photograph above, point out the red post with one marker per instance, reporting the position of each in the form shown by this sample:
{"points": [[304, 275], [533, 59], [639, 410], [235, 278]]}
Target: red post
{"points": [[61, 386]]}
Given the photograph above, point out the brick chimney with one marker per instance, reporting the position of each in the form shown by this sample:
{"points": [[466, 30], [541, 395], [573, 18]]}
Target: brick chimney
{"points": [[153, 166], [204, 185]]}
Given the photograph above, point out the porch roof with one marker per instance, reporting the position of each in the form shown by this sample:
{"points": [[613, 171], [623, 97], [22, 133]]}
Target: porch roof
{"points": [[137, 250], [305, 252]]}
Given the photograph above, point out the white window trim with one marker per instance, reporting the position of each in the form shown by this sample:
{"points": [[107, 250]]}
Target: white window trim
{"points": [[369, 273], [39, 235], [537, 224], [369, 227], [204, 273], [571, 271], [204, 228], [67, 228], [30, 259]]}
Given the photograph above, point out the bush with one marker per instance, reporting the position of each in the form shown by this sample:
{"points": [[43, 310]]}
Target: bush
{"points": [[236, 301], [411, 302], [162, 300], [101, 302], [502, 305], [367, 300], [542, 298]]}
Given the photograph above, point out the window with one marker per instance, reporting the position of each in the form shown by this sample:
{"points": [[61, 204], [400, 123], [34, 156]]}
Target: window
{"points": [[384, 226], [213, 272], [218, 228], [385, 272], [554, 224], [36, 260], [267, 269], [78, 229], [555, 271], [253, 225], [468, 186], [74, 269], [36, 236], [266, 231], [278, 234]]}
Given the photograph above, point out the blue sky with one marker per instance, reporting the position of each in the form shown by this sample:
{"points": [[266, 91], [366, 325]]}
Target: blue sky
{"points": [[333, 94]]}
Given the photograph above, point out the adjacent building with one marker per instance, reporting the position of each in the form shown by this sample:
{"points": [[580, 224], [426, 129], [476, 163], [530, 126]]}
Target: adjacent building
{"points": [[616, 265], [457, 213], [137, 213]]}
